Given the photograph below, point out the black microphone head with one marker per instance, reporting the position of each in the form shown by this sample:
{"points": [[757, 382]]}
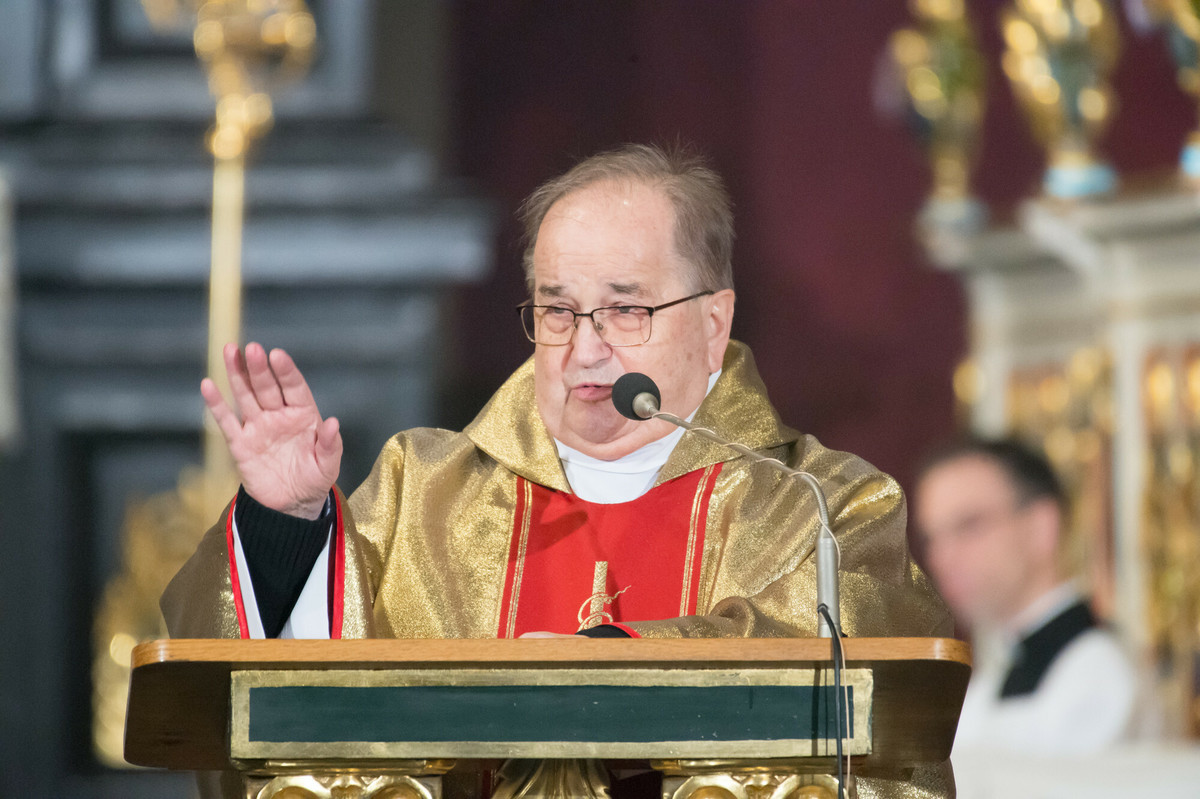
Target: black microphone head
{"points": [[626, 390]]}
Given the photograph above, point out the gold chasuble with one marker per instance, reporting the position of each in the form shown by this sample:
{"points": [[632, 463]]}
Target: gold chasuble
{"points": [[477, 535]]}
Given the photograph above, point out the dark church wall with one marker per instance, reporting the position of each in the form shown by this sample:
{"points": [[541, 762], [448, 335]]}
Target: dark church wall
{"points": [[855, 334]]}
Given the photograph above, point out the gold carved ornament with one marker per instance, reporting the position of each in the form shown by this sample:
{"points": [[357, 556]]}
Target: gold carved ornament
{"points": [[343, 786], [1171, 523], [754, 784]]}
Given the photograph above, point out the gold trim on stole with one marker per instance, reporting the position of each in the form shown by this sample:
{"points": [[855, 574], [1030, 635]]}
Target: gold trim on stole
{"points": [[519, 568], [693, 527]]}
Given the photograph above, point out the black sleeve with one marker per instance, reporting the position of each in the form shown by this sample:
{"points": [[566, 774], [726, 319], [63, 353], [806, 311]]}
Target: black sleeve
{"points": [[280, 553], [604, 631]]}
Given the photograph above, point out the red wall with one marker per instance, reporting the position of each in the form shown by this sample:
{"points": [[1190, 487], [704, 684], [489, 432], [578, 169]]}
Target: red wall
{"points": [[855, 334]]}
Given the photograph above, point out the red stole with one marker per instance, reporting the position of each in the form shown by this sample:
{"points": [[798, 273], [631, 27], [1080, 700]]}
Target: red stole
{"points": [[651, 545]]}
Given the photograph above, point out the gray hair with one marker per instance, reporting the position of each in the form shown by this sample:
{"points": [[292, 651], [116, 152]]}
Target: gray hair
{"points": [[703, 213]]}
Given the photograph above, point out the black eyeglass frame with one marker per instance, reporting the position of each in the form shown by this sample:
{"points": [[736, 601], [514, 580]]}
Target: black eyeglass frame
{"points": [[650, 311]]}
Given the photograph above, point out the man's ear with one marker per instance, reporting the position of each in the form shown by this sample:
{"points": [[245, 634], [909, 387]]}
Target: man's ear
{"points": [[717, 323]]}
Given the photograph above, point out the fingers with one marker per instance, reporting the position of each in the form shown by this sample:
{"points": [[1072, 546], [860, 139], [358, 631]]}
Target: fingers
{"points": [[262, 379], [261, 382], [226, 419], [239, 380], [253, 382], [294, 388], [328, 450]]}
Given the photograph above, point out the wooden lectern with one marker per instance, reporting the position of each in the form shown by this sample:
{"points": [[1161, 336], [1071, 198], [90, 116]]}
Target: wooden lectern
{"points": [[387, 719]]}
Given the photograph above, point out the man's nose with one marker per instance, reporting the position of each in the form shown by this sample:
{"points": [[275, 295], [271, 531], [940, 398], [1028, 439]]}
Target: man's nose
{"points": [[589, 347]]}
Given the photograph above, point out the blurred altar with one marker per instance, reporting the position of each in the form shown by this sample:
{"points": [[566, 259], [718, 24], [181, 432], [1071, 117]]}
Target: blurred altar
{"points": [[1084, 333]]}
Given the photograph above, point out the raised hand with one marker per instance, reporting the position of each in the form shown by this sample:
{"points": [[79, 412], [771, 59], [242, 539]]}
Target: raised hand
{"points": [[287, 456]]}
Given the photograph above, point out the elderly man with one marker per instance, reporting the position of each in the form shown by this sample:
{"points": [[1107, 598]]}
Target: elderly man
{"points": [[551, 513], [1048, 680]]}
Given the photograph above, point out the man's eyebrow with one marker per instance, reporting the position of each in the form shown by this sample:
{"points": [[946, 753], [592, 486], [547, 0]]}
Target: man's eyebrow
{"points": [[555, 291], [630, 289], [970, 519]]}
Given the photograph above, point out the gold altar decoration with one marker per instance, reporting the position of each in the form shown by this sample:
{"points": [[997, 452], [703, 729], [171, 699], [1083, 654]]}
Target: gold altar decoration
{"points": [[347, 785], [1171, 523], [944, 82], [159, 534], [1065, 409], [1058, 57], [968, 383], [1181, 18], [248, 48], [692, 780], [552, 779]]}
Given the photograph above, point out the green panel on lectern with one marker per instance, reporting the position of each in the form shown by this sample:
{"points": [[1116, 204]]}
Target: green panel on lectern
{"points": [[600, 713], [425, 713]]}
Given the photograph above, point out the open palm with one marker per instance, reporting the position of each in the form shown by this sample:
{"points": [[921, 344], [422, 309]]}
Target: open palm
{"points": [[287, 455]]}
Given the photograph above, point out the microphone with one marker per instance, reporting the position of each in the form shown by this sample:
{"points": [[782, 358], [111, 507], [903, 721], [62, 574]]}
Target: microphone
{"points": [[636, 397]]}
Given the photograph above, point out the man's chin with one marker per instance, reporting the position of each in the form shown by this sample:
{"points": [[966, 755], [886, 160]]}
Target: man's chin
{"points": [[610, 445], [599, 437]]}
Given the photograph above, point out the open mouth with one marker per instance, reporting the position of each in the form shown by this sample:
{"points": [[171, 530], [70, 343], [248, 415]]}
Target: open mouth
{"points": [[592, 391]]}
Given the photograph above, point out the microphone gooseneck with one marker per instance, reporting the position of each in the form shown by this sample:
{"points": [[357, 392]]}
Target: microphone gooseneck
{"points": [[636, 397]]}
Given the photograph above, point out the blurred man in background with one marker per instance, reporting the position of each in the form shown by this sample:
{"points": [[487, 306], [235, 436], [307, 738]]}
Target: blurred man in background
{"points": [[1048, 679]]}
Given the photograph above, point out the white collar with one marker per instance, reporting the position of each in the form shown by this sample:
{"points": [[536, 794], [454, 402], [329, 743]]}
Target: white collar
{"points": [[653, 455], [995, 645], [1045, 608]]}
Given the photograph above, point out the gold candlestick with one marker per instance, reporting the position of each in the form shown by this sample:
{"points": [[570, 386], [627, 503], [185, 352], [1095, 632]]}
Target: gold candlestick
{"points": [[1059, 55], [943, 79], [1181, 20], [247, 47]]}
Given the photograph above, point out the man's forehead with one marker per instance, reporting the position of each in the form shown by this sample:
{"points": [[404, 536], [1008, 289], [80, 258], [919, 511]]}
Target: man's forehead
{"points": [[962, 485], [611, 237], [973, 470], [613, 191], [626, 209]]}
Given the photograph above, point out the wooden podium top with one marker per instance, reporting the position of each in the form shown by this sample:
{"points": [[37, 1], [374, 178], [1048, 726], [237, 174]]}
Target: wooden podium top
{"points": [[180, 695]]}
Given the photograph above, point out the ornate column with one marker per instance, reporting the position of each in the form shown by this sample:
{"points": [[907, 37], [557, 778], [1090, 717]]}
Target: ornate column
{"points": [[1137, 253]]}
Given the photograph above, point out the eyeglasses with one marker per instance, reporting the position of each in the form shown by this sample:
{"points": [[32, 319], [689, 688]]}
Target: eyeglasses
{"points": [[617, 325]]}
